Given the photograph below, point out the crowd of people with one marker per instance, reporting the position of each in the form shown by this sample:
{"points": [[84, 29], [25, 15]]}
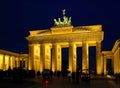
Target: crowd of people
{"points": [[20, 74]]}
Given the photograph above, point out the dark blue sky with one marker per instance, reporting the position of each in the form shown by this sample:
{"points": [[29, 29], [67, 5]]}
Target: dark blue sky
{"points": [[17, 17]]}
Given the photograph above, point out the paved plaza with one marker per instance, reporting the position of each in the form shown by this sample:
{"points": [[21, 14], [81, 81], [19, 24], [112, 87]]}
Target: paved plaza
{"points": [[60, 83]]}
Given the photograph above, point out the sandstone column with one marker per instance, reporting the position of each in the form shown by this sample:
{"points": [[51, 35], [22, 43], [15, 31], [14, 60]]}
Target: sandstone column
{"points": [[105, 63], [46, 56], [13, 62], [4, 63], [40, 58], [37, 57], [34, 57], [42, 54], [99, 61], [31, 57], [72, 57], [85, 57], [59, 59], [54, 57], [9, 64], [18, 61]]}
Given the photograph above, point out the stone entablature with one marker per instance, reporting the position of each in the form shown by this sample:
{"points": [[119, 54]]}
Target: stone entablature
{"points": [[66, 34], [88, 28], [8, 52], [87, 36], [107, 54], [65, 29], [5, 52]]}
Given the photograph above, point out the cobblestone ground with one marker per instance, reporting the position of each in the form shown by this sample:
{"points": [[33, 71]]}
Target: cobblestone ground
{"points": [[59, 83]]}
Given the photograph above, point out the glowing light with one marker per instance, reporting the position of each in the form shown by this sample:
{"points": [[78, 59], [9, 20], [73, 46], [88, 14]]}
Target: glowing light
{"points": [[1, 61], [6, 62], [46, 82]]}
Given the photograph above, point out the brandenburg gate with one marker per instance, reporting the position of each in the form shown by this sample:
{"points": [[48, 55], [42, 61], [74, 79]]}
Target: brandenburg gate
{"points": [[45, 46]]}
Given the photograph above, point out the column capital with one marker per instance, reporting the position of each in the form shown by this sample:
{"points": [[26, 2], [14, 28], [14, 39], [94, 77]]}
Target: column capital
{"points": [[84, 43], [71, 42], [98, 41], [33, 44], [55, 44]]}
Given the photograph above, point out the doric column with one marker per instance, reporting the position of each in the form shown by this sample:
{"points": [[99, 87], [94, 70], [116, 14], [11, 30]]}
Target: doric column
{"points": [[27, 63], [85, 57], [105, 63], [31, 57], [34, 57], [42, 54], [99, 61], [115, 63], [37, 57], [22, 62], [13, 62], [59, 59], [54, 57], [46, 56], [3, 63], [6, 62], [40, 61], [9, 61], [72, 57], [17, 62]]}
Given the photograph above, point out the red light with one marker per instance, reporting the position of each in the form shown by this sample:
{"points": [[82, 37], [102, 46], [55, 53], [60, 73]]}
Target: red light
{"points": [[46, 81]]}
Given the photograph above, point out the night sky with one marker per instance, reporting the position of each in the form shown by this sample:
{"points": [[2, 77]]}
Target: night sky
{"points": [[17, 17]]}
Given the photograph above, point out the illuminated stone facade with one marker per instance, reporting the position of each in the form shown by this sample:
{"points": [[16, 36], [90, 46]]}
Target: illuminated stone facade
{"points": [[13, 60], [45, 47], [114, 55], [106, 55], [45, 50]]}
